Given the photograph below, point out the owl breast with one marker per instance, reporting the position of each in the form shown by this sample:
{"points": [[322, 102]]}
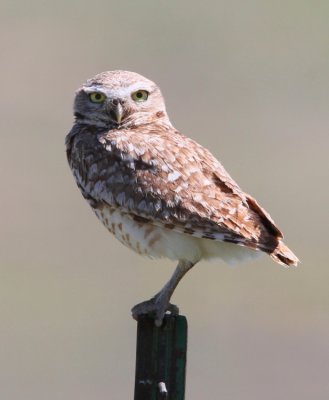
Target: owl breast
{"points": [[154, 241], [145, 238]]}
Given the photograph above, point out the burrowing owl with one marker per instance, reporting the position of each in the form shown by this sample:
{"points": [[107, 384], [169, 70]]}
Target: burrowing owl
{"points": [[159, 192]]}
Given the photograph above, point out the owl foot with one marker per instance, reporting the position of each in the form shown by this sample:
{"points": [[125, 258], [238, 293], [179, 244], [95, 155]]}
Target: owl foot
{"points": [[156, 307]]}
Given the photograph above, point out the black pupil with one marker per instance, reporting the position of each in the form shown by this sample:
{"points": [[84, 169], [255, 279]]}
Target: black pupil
{"points": [[98, 96], [139, 95]]}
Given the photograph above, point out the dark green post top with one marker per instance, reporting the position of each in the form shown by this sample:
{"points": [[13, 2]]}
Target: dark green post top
{"points": [[161, 359]]}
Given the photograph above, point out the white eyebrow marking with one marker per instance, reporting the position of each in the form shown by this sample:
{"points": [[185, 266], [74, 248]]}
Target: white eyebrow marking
{"points": [[92, 89], [120, 91]]}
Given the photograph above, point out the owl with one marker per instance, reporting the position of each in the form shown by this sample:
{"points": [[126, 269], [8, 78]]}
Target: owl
{"points": [[157, 191]]}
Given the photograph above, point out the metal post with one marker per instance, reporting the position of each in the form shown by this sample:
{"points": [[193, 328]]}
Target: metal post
{"points": [[161, 359]]}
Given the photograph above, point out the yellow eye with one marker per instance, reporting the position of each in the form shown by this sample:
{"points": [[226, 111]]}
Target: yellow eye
{"points": [[97, 97], [140, 95]]}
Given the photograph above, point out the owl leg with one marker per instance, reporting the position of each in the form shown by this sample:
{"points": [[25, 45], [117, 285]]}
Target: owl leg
{"points": [[159, 304]]}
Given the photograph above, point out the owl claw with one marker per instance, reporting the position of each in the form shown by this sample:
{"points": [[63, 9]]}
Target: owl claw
{"points": [[155, 307]]}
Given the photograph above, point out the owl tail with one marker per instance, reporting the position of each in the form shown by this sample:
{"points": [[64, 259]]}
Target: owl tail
{"points": [[284, 256]]}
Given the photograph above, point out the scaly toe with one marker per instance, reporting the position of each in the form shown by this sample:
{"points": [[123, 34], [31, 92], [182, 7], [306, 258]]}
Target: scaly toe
{"points": [[154, 308]]}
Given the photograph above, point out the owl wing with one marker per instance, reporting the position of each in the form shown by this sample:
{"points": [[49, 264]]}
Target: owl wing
{"points": [[171, 181]]}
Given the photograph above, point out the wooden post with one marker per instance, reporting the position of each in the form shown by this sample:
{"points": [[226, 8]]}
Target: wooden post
{"points": [[161, 358]]}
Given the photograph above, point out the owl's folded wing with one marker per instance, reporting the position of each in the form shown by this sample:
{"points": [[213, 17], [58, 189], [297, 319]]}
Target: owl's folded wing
{"points": [[179, 185]]}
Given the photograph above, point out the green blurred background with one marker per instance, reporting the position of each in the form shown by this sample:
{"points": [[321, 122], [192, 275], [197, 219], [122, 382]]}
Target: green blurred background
{"points": [[247, 79]]}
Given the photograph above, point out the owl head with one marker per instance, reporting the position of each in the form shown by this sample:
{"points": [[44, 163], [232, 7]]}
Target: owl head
{"points": [[119, 99]]}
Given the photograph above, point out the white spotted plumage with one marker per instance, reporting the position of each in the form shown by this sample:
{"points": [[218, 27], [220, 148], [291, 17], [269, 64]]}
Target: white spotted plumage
{"points": [[159, 192]]}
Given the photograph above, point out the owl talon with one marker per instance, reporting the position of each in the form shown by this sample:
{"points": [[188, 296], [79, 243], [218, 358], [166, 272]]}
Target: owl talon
{"points": [[155, 307]]}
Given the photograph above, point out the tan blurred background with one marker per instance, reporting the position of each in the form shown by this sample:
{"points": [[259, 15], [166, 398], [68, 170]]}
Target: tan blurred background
{"points": [[249, 80]]}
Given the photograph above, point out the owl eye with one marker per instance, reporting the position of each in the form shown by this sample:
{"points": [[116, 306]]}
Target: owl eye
{"points": [[97, 97], [140, 95]]}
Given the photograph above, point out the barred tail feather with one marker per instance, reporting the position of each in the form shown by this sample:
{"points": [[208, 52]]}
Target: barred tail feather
{"points": [[284, 256]]}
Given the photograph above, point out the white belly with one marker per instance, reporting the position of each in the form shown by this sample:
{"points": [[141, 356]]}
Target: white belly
{"points": [[159, 242]]}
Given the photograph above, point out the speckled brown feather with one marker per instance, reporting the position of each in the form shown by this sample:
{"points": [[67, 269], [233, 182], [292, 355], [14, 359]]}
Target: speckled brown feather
{"points": [[170, 180], [151, 172]]}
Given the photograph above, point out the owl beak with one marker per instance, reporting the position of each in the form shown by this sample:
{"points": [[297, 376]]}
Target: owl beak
{"points": [[117, 111]]}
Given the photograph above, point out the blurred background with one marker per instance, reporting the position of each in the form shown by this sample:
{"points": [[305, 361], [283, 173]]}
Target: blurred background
{"points": [[249, 80]]}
